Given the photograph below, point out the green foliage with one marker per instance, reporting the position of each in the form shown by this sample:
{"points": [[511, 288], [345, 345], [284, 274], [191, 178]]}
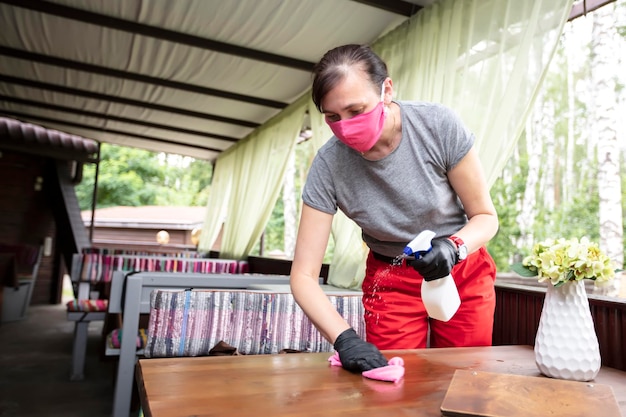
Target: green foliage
{"points": [[135, 177], [274, 236], [502, 247], [576, 217], [84, 190], [522, 270], [506, 193]]}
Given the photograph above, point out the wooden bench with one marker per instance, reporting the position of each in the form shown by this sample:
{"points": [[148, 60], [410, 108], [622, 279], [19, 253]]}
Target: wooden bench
{"points": [[131, 296], [94, 268], [82, 316]]}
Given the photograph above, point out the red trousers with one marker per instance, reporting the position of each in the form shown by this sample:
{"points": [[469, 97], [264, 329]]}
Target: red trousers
{"points": [[395, 317]]}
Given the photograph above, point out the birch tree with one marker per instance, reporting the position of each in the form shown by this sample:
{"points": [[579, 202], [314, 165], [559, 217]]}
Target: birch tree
{"points": [[550, 156], [528, 202], [603, 83], [571, 113]]}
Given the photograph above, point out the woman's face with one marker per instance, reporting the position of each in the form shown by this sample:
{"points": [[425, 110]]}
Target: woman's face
{"points": [[354, 95]]}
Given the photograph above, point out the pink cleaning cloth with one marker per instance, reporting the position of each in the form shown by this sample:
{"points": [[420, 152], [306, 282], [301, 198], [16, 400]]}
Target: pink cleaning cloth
{"points": [[334, 360], [392, 372]]}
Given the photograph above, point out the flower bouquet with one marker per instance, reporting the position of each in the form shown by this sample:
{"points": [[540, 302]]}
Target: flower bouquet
{"points": [[563, 260]]}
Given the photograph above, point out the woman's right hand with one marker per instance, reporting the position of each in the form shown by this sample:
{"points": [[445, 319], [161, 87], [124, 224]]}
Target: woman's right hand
{"points": [[356, 354]]}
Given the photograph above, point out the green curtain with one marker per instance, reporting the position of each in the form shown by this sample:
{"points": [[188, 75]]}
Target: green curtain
{"points": [[259, 164], [217, 204], [483, 58]]}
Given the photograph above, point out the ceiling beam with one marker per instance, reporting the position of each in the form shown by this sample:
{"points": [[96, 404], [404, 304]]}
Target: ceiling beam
{"points": [[47, 151], [105, 117], [26, 116], [122, 100], [125, 75], [158, 33], [400, 7]]}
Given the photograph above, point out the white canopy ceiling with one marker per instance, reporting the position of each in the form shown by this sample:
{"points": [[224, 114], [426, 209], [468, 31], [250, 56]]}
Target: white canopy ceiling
{"points": [[188, 76]]}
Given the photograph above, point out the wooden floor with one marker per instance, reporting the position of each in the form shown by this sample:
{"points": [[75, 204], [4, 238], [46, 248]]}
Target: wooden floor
{"points": [[35, 355]]}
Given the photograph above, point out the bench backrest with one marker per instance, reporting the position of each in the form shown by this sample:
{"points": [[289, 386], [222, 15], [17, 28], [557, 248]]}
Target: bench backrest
{"points": [[123, 300], [99, 267], [193, 322]]}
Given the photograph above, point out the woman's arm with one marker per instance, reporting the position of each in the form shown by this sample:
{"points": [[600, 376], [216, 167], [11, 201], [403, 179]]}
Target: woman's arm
{"points": [[356, 354], [468, 180], [313, 234]]}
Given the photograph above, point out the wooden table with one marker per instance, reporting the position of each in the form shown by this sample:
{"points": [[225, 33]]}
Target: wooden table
{"points": [[303, 384]]}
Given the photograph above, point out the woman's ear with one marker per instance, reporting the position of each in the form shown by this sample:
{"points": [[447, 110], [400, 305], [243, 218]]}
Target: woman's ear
{"points": [[388, 95]]}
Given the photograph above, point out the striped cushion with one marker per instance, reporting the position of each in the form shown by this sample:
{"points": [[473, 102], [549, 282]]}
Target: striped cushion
{"points": [[114, 339], [191, 322], [99, 265], [87, 305]]}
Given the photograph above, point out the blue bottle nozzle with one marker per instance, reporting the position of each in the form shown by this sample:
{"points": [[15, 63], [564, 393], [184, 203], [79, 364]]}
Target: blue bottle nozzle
{"points": [[420, 244]]}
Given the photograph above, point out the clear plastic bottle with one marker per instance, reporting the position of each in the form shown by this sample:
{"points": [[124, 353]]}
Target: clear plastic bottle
{"points": [[440, 296]]}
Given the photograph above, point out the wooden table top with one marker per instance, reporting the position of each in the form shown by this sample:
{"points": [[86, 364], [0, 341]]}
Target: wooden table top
{"points": [[304, 384]]}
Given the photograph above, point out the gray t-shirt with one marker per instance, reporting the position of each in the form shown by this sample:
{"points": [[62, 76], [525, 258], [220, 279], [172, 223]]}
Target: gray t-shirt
{"points": [[395, 198]]}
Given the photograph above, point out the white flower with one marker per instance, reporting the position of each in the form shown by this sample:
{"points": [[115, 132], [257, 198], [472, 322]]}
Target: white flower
{"points": [[565, 260]]}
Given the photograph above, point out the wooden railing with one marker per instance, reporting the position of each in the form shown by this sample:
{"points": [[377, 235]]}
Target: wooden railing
{"points": [[518, 309], [261, 265]]}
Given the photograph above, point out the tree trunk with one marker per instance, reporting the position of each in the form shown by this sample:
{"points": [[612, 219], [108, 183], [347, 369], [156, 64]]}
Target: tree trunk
{"points": [[569, 176], [526, 216], [604, 66], [550, 155]]}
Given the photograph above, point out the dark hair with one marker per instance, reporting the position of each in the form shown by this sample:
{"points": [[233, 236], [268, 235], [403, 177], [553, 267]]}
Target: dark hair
{"points": [[335, 63]]}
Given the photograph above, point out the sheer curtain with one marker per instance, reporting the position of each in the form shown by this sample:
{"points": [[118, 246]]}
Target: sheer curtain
{"points": [[258, 167], [483, 58], [217, 205]]}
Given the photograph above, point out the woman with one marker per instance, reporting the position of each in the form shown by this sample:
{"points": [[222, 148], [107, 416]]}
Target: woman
{"points": [[396, 169]]}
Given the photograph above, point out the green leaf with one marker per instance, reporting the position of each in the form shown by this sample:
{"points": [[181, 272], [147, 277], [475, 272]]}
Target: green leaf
{"points": [[523, 270]]}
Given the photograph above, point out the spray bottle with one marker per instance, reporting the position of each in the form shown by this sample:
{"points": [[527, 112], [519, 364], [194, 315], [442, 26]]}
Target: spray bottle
{"points": [[440, 296]]}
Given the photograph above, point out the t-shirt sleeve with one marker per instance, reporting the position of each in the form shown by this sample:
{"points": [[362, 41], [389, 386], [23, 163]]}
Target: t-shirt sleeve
{"points": [[319, 192], [456, 138]]}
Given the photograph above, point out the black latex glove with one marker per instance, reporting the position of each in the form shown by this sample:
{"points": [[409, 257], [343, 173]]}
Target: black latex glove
{"points": [[356, 354], [439, 261]]}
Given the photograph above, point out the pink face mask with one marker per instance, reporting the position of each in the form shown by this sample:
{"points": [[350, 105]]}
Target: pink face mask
{"points": [[362, 131]]}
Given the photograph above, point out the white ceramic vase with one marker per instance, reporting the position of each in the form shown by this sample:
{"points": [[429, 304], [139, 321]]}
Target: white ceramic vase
{"points": [[566, 345]]}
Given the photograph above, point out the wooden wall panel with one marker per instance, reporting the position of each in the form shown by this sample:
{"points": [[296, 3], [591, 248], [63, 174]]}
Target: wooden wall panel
{"points": [[25, 215], [609, 318]]}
